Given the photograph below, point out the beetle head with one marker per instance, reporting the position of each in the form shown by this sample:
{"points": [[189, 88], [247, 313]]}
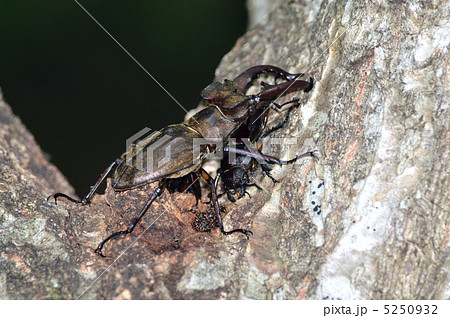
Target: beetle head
{"points": [[223, 95]]}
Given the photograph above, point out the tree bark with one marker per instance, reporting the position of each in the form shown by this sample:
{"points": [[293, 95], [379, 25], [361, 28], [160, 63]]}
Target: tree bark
{"points": [[367, 220]]}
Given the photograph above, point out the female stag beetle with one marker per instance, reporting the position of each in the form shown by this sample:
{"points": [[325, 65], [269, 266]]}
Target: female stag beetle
{"points": [[230, 114], [234, 171]]}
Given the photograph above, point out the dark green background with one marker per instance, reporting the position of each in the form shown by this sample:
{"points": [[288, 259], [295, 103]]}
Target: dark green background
{"points": [[82, 96]]}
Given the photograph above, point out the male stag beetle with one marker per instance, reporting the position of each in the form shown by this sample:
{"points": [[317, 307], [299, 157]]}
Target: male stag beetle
{"points": [[230, 114]]}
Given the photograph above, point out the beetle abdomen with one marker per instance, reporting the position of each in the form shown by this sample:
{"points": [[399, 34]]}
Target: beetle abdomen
{"points": [[167, 153]]}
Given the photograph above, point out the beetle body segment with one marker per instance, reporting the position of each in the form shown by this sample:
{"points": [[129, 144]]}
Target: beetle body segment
{"points": [[151, 160], [211, 123]]}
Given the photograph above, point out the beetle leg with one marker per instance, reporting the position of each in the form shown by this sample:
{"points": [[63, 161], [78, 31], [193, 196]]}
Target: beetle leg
{"points": [[286, 119], [261, 158], [242, 81], [88, 197], [213, 183], [252, 185], [159, 190], [269, 159], [266, 169], [265, 159]]}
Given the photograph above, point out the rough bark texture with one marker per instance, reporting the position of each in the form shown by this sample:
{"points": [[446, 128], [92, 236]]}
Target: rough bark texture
{"points": [[368, 220]]}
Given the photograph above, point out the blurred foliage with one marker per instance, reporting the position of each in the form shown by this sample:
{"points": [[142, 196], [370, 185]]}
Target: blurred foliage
{"points": [[82, 96]]}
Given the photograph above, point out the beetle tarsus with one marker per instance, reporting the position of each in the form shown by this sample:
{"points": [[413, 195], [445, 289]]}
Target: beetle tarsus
{"points": [[267, 170], [59, 194], [295, 105], [245, 232], [158, 191], [93, 189], [99, 248], [307, 154]]}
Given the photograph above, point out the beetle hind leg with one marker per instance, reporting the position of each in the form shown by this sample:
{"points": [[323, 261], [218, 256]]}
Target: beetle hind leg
{"points": [[214, 199], [243, 231], [295, 105], [159, 190], [88, 197], [55, 196]]}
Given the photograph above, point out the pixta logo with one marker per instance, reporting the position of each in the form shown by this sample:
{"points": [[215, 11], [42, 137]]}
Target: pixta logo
{"points": [[148, 151]]}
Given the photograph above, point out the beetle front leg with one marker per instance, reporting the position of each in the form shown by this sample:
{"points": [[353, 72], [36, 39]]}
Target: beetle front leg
{"points": [[88, 197], [214, 199], [295, 105], [263, 159], [159, 190]]}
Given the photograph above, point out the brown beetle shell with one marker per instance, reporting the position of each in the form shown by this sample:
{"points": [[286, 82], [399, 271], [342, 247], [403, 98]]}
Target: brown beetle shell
{"points": [[164, 154], [170, 153]]}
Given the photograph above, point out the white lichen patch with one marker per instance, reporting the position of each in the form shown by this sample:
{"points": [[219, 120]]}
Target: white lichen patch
{"points": [[256, 283], [207, 273], [314, 203], [430, 41], [350, 267]]}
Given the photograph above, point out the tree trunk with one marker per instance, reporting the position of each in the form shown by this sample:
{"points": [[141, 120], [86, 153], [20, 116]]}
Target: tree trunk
{"points": [[369, 219]]}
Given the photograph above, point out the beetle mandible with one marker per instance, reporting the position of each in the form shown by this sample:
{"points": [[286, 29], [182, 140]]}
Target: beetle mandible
{"points": [[230, 113]]}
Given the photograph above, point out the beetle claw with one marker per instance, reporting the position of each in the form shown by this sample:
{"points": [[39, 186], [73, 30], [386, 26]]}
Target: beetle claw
{"points": [[247, 233], [52, 196], [98, 250], [59, 194]]}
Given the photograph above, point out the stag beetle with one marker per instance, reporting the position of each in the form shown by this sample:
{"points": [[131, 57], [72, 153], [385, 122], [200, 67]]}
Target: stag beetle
{"points": [[230, 113]]}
